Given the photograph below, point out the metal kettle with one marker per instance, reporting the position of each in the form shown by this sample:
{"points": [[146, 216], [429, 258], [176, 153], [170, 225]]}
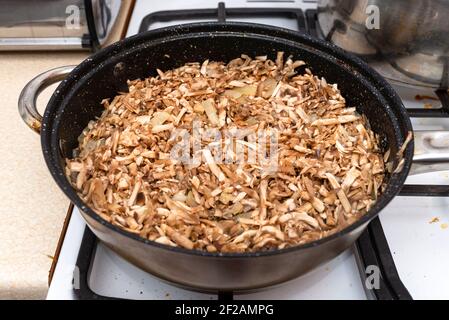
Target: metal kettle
{"points": [[407, 41]]}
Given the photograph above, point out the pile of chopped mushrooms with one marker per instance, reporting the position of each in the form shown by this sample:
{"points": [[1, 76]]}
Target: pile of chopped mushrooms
{"points": [[329, 165]]}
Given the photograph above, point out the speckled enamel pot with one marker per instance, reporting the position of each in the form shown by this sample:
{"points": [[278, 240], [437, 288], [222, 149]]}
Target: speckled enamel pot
{"points": [[77, 100]]}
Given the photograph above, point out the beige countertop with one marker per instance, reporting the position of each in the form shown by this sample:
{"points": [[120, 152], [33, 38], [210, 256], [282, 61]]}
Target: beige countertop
{"points": [[32, 208]]}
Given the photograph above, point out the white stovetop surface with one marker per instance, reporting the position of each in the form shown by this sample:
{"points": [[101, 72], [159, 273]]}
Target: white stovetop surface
{"points": [[142, 8], [420, 249]]}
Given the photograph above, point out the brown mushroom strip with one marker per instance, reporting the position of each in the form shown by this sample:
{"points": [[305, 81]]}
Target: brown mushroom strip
{"points": [[352, 174], [302, 216], [340, 193], [274, 231], [337, 120], [166, 241], [178, 238], [245, 235], [405, 144], [263, 199], [162, 127], [133, 196], [303, 115], [212, 165]]}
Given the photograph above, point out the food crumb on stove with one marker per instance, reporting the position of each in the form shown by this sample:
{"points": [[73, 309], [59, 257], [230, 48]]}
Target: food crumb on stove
{"points": [[167, 294], [444, 226], [419, 97], [428, 106], [434, 220]]}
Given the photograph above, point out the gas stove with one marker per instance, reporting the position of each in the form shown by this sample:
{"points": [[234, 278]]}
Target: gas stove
{"points": [[402, 255]]}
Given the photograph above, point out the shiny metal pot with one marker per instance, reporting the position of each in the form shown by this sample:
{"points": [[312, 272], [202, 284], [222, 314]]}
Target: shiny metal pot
{"points": [[405, 40]]}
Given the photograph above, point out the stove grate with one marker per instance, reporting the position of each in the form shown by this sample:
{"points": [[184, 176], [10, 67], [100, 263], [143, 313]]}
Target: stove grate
{"points": [[84, 261]]}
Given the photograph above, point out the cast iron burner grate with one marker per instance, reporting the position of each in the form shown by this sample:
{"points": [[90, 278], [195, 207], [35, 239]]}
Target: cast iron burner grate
{"points": [[372, 247], [221, 13]]}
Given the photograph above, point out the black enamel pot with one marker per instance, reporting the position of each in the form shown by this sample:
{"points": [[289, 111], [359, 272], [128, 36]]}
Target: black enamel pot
{"points": [[77, 101]]}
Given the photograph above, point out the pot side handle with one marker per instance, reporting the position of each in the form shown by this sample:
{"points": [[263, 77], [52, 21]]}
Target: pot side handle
{"points": [[28, 97], [431, 151]]}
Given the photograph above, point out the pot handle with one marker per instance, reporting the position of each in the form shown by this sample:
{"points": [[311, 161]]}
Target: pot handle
{"points": [[431, 151], [29, 94]]}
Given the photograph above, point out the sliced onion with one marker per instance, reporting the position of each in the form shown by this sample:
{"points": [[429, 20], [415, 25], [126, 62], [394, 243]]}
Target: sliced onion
{"points": [[266, 88], [232, 94], [247, 90], [236, 93], [159, 118], [180, 196], [190, 200], [211, 111]]}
